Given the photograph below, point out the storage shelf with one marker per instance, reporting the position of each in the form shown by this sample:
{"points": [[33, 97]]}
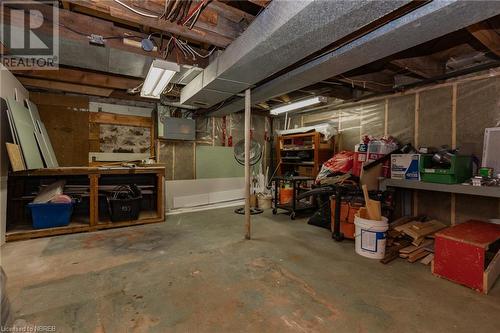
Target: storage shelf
{"points": [[98, 178], [485, 191]]}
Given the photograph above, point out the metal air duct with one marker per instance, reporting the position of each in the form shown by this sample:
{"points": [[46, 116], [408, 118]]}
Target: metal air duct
{"points": [[286, 32], [425, 23]]}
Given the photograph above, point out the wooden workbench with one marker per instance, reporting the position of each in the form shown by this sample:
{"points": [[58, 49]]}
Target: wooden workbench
{"points": [[21, 186]]}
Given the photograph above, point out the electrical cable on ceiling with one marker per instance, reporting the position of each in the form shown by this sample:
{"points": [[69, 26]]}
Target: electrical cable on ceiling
{"points": [[135, 10]]}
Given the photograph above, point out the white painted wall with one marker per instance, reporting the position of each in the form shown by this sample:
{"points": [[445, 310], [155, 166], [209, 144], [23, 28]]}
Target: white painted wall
{"points": [[9, 87], [197, 192]]}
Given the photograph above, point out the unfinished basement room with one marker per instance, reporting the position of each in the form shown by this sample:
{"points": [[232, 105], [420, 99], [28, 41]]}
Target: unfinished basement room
{"points": [[250, 166]]}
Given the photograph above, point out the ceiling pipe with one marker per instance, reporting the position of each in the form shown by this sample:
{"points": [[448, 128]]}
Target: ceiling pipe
{"points": [[425, 23]]}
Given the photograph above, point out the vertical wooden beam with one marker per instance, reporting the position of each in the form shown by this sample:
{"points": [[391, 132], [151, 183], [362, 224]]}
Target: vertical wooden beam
{"points": [[386, 116], [415, 139], [248, 227], [453, 146], [417, 112], [160, 195], [454, 117], [94, 200]]}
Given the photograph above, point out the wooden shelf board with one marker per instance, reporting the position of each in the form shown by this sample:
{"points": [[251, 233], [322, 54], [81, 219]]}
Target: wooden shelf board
{"points": [[28, 232]]}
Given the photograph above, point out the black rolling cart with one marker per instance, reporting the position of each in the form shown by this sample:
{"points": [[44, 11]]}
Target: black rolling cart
{"points": [[294, 206]]}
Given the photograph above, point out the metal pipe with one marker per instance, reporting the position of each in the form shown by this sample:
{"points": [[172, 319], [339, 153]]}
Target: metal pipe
{"points": [[248, 228]]}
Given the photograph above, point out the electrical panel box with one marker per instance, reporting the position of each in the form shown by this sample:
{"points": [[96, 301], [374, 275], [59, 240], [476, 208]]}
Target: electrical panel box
{"points": [[176, 128]]}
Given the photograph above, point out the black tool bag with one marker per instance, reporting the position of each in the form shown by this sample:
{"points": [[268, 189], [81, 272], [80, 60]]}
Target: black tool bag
{"points": [[124, 203]]}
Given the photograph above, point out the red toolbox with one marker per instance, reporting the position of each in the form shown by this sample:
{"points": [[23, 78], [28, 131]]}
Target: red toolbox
{"points": [[469, 254]]}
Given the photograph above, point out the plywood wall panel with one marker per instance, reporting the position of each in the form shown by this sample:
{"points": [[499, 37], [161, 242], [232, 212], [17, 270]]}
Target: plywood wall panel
{"points": [[69, 132]]}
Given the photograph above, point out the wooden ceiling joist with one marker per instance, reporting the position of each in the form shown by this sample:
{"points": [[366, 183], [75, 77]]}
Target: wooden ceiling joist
{"points": [[261, 3], [65, 87], [424, 66], [76, 26], [487, 36], [116, 12], [77, 76]]}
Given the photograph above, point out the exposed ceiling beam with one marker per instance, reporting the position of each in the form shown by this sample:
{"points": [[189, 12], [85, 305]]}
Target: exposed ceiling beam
{"points": [[232, 13], [64, 86], [424, 66], [116, 12], [83, 25], [83, 77], [487, 36], [373, 82], [262, 3]]}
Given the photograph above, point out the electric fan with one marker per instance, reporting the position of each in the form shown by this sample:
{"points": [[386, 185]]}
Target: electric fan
{"points": [[255, 156]]}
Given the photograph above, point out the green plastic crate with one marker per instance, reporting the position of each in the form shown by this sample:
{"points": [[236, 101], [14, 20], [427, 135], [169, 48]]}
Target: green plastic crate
{"points": [[459, 172]]}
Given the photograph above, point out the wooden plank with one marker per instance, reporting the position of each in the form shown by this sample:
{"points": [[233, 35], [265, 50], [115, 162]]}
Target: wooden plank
{"points": [[487, 36], [160, 195], [492, 273], [83, 77], [231, 13], [86, 24], [427, 259], [117, 119], [419, 254], [261, 3], [66, 87], [69, 101], [94, 200], [68, 131], [425, 67], [115, 11], [15, 157], [37, 233]]}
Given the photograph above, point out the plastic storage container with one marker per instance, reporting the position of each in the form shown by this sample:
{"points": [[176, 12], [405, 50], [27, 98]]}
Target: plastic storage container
{"points": [[459, 171], [50, 215]]}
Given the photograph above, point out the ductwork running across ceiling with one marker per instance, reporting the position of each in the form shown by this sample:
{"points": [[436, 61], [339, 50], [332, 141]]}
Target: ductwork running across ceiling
{"points": [[283, 34], [430, 21]]}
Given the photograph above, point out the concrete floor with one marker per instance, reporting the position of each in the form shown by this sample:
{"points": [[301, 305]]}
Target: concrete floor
{"points": [[196, 273]]}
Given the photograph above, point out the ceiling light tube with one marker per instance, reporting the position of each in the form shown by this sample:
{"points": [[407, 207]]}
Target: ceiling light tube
{"points": [[159, 75], [298, 105]]}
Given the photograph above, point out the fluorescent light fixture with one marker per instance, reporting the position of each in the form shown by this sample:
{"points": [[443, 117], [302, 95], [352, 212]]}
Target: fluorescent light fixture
{"points": [[298, 105], [159, 75]]}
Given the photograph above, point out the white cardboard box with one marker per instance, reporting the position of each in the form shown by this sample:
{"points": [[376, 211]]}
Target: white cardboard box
{"points": [[405, 166]]}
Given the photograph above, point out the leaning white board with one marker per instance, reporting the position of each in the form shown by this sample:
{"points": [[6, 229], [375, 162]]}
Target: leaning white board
{"points": [[42, 136], [26, 133]]}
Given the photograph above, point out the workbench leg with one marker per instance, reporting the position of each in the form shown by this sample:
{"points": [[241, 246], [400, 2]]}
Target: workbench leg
{"points": [[94, 200], [160, 195]]}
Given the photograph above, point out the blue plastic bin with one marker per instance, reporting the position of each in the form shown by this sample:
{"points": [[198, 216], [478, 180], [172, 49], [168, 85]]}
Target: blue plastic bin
{"points": [[49, 215]]}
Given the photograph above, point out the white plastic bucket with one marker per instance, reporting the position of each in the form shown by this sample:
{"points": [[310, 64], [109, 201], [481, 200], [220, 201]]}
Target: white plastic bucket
{"points": [[370, 237]]}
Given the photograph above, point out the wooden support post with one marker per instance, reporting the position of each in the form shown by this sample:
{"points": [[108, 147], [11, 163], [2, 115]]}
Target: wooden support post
{"points": [[94, 200], [247, 164], [160, 195]]}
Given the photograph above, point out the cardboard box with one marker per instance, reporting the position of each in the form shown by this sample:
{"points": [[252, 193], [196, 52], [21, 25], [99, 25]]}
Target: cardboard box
{"points": [[405, 166]]}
